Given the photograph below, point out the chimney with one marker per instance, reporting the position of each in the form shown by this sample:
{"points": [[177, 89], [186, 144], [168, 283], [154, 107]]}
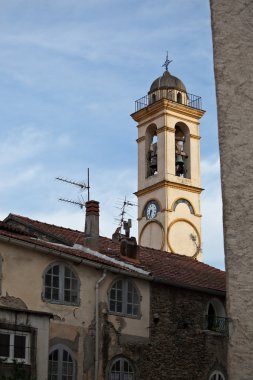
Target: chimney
{"points": [[91, 232], [129, 248]]}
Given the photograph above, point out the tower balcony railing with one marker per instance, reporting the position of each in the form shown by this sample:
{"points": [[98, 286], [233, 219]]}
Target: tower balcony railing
{"points": [[217, 324], [189, 100]]}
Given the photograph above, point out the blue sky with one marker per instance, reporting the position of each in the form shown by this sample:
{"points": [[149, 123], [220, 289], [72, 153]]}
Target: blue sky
{"points": [[70, 71]]}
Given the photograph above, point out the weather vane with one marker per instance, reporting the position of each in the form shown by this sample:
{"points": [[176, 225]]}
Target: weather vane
{"points": [[167, 62]]}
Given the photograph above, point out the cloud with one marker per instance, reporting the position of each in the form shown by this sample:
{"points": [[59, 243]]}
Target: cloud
{"points": [[21, 143]]}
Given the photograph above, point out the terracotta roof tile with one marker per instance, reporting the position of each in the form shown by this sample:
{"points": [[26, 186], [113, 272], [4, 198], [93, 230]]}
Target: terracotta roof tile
{"points": [[168, 267]]}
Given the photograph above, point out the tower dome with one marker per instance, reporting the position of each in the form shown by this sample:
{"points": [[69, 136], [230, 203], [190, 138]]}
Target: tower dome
{"points": [[167, 81]]}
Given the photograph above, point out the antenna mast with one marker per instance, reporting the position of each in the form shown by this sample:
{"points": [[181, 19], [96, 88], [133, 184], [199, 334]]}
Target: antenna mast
{"points": [[81, 185], [122, 222]]}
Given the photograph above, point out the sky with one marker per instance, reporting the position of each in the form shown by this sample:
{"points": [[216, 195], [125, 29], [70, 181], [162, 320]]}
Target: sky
{"points": [[70, 71]]}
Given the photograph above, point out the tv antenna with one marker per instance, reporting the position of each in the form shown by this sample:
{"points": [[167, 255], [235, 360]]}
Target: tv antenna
{"points": [[81, 185], [122, 222]]}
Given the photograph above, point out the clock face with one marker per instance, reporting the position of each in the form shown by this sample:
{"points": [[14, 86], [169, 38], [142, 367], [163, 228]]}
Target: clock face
{"points": [[151, 211]]}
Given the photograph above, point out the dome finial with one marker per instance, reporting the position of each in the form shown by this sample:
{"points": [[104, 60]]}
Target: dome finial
{"points": [[167, 62]]}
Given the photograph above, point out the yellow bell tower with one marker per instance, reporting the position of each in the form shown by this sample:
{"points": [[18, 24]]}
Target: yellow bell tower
{"points": [[169, 184]]}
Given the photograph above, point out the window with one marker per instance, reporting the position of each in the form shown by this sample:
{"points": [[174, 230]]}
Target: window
{"points": [[61, 364], [216, 317], [124, 298], [14, 345], [217, 375], [61, 285], [179, 97], [121, 369]]}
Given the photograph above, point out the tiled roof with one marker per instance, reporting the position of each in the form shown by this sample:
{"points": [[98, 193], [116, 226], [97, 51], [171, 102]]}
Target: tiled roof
{"points": [[167, 267]]}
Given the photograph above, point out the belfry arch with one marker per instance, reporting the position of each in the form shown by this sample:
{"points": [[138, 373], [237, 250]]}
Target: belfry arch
{"points": [[151, 150], [182, 150]]}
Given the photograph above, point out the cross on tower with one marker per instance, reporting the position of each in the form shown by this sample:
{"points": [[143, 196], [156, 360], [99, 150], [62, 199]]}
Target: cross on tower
{"points": [[167, 62]]}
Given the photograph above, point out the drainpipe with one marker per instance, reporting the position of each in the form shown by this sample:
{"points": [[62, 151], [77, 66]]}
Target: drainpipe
{"points": [[97, 324]]}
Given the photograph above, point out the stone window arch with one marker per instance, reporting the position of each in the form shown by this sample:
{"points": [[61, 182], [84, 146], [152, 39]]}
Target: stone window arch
{"points": [[121, 368], [216, 316], [61, 364], [151, 150], [217, 375], [182, 151], [61, 284], [124, 298]]}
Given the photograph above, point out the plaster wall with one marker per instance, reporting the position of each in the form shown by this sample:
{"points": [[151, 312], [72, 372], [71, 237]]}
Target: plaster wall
{"points": [[73, 325], [232, 29]]}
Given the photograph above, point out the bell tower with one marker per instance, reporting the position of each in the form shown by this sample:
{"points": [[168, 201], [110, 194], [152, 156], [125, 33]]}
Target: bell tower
{"points": [[169, 184]]}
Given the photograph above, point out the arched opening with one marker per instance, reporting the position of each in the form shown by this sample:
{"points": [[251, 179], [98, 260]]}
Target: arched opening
{"points": [[121, 369], [217, 375], [182, 151], [61, 363], [216, 316], [179, 97], [153, 98], [151, 151]]}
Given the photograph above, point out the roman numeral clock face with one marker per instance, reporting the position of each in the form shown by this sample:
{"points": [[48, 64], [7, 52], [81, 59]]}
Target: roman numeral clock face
{"points": [[151, 210]]}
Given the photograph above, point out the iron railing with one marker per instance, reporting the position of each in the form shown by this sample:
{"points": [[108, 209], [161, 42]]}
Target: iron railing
{"points": [[189, 100], [217, 324]]}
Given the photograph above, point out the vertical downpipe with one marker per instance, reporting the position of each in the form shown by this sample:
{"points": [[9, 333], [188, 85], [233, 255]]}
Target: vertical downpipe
{"points": [[97, 324]]}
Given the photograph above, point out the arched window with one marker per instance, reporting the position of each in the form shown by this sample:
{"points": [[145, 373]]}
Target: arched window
{"points": [[151, 150], [216, 317], [217, 375], [179, 97], [61, 285], [124, 298], [61, 363], [121, 369]]}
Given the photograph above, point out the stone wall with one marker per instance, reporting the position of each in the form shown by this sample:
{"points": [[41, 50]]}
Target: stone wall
{"points": [[232, 29], [179, 346]]}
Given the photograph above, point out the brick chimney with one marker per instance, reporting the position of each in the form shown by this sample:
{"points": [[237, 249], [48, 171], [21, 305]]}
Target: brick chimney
{"points": [[91, 232]]}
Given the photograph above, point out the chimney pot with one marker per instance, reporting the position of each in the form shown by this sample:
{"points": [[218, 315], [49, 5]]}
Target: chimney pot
{"points": [[91, 232]]}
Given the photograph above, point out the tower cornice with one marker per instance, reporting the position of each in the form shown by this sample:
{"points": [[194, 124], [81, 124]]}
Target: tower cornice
{"points": [[164, 105], [172, 184]]}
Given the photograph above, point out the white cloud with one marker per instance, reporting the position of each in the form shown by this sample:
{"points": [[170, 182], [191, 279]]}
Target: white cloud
{"points": [[21, 143]]}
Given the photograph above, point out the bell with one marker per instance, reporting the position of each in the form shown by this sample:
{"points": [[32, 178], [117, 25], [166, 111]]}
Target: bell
{"points": [[179, 159], [153, 161]]}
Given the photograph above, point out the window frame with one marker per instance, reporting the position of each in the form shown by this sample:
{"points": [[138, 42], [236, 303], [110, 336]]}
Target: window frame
{"points": [[122, 374], [60, 348], [215, 373], [11, 357], [217, 322], [124, 313], [61, 276]]}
